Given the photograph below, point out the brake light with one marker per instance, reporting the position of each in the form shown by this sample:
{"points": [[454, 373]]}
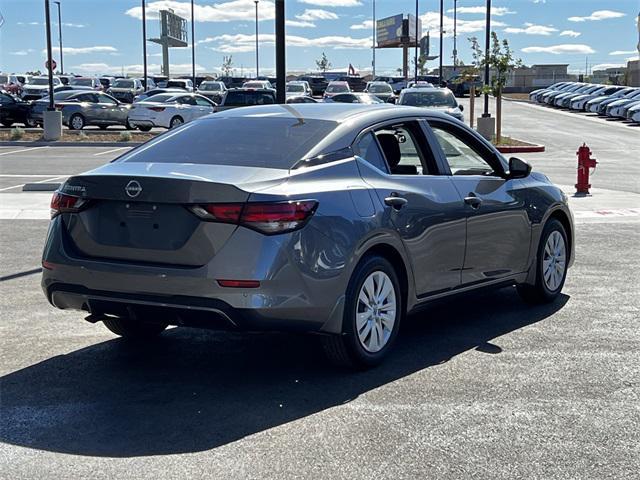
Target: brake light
{"points": [[267, 218], [62, 203], [157, 109], [239, 283]]}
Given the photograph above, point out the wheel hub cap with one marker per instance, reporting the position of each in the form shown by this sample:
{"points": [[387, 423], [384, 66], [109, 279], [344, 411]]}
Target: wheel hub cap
{"points": [[375, 311], [554, 261]]}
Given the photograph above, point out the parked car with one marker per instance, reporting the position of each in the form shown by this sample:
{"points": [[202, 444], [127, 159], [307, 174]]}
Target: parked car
{"points": [[317, 83], [241, 97], [38, 87], [635, 114], [593, 105], [564, 101], [356, 82], [65, 79], [534, 96], [185, 84], [14, 110], [151, 84], [213, 90], [617, 109], [93, 108], [301, 99], [10, 84], [70, 88], [331, 219], [259, 84], [336, 87], [420, 84], [126, 89], [354, 97], [106, 82], [382, 90], [622, 111], [298, 88], [232, 82], [557, 99], [156, 91], [580, 102], [397, 83], [23, 79], [434, 98], [169, 110], [550, 96], [602, 107], [632, 110], [461, 85], [92, 82]]}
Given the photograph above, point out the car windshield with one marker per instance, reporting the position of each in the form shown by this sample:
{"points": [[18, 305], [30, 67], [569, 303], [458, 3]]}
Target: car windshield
{"points": [[429, 99], [380, 88], [242, 98], [295, 88], [162, 98], [39, 81], [4, 79], [337, 88], [265, 142], [176, 83], [254, 85], [123, 84], [210, 87], [85, 82]]}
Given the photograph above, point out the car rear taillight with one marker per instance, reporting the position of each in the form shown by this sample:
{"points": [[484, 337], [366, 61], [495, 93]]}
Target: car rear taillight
{"points": [[157, 109], [267, 218], [62, 203]]}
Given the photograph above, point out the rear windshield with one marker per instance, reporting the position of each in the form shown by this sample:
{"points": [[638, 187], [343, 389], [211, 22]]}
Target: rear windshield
{"points": [[210, 87], [85, 82], [123, 84], [337, 88], [244, 98], [176, 83], [380, 88], [429, 99], [39, 81], [295, 88], [265, 142]]}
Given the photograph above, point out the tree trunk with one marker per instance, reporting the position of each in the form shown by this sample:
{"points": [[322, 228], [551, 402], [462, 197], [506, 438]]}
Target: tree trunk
{"points": [[472, 104], [499, 116]]}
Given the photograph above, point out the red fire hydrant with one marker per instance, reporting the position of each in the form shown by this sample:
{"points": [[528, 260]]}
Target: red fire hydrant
{"points": [[585, 163]]}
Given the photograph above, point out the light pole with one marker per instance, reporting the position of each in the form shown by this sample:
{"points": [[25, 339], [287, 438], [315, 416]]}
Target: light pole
{"points": [[257, 58], [373, 36], [144, 43], [52, 118], [455, 35], [281, 64], [487, 39], [193, 48], [60, 37], [441, 36], [415, 58]]}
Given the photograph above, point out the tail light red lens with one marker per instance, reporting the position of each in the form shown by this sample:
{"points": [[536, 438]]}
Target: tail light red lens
{"points": [[61, 203], [239, 283], [267, 218], [157, 109]]}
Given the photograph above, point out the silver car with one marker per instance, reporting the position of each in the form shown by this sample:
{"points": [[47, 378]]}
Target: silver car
{"points": [[335, 219], [434, 98]]}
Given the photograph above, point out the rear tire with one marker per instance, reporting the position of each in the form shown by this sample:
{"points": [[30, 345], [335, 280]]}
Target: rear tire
{"points": [[551, 265], [368, 334], [144, 128], [134, 329]]}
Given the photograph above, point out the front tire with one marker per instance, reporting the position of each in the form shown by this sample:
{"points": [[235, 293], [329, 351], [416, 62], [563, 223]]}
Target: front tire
{"points": [[134, 329], [551, 265], [76, 122], [176, 122], [373, 309]]}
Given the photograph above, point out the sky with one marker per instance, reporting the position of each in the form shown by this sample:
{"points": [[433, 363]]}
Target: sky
{"points": [[105, 36]]}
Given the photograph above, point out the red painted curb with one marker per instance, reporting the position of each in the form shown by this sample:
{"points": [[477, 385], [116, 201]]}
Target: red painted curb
{"points": [[520, 148]]}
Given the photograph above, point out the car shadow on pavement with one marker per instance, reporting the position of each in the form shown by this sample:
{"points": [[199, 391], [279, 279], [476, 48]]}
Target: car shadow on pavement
{"points": [[195, 390]]}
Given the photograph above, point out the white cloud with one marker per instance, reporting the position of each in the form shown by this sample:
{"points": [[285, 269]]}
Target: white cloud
{"points": [[539, 1], [431, 21], [570, 33], [234, 10], [82, 50], [316, 14], [332, 3], [598, 15], [299, 23], [480, 9], [531, 29], [21, 53], [633, 59], [101, 68], [604, 66], [246, 43], [561, 49], [34, 24], [622, 52], [365, 25]]}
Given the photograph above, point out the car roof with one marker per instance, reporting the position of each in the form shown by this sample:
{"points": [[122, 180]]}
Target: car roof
{"points": [[425, 90], [341, 82]]}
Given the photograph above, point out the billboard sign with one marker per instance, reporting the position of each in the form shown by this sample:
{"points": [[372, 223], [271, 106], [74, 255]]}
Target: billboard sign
{"points": [[173, 28], [389, 31], [411, 33]]}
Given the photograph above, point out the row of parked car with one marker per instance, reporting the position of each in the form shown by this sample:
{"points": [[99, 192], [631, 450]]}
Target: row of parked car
{"points": [[177, 103], [614, 101]]}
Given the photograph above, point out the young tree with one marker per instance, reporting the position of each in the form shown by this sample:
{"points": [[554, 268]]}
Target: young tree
{"points": [[227, 65], [323, 63]]}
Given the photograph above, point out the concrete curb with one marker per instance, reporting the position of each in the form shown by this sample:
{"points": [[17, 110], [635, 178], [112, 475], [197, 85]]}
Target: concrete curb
{"points": [[68, 144], [521, 148]]}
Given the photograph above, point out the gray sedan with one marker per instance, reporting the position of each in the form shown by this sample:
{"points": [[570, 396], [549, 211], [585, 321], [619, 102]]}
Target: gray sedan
{"points": [[89, 108], [329, 218]]}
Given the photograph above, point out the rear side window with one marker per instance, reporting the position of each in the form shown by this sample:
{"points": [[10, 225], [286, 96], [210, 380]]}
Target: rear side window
{"points": [[242, 98], [368, 149], [267, 142]]}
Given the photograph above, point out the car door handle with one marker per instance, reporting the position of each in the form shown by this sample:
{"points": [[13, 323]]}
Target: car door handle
{"points": [[473, 201], [395, 202]]}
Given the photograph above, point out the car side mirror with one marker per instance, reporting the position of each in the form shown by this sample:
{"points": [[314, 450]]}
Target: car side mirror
{"points": [[461, 107], [518, 168]]}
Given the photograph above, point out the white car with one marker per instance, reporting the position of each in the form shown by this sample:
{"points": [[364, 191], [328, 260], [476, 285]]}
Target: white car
{"points": [[185, 84], [38, 87], [298, 88], [633, 111], [580, 102], [258, 84], [636, 115], [169, 110]]}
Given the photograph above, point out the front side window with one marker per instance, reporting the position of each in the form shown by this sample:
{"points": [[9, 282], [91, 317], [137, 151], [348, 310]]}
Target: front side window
{"points": [[203, 102], [106, 99], [462, 158], [87, 97]]}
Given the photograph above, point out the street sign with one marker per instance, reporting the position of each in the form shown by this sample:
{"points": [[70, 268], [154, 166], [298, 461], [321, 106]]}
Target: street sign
{"points": [[53, 64]]}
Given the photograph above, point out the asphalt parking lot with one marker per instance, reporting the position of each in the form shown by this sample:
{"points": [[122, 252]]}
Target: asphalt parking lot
{"points": [[484, 388]]}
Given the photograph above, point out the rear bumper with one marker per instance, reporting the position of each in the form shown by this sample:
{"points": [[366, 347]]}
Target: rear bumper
{"points": [[144, 123]]}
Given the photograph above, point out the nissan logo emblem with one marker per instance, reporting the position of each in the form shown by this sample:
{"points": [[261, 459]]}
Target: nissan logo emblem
{"points": [[133, 188]]}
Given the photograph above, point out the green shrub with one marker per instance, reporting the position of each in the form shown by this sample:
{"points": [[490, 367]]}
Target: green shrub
{"points": [[125, 136], [17, 133]]}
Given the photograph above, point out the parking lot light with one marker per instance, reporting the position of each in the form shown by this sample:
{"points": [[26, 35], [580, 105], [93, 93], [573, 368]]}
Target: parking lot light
{"points": [[60, 38], [193, 48], [144, 43], [257, 62]]}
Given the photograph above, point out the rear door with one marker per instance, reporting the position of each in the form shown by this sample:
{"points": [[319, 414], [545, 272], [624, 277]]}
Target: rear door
{"points": [[423, 206], [498, 227]]}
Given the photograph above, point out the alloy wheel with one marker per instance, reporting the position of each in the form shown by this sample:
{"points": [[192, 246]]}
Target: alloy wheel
{"points": [[376, 311], [554, 260]]}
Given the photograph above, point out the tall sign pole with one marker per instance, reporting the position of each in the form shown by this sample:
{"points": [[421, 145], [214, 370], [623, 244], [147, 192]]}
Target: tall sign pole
{"points": [[487, 40], [441, 36], [415, 58], [257, 58], [193, 47], [281, 66], [373, 36], [455, 35], [144, 43], [49, 56], [60, 37]]}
